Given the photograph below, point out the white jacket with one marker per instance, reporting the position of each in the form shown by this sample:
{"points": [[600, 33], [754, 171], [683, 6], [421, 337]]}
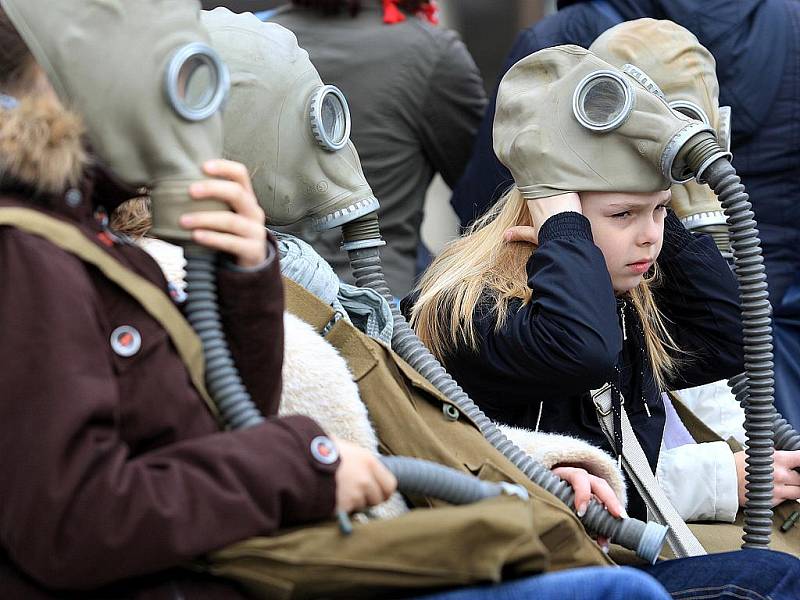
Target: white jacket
{"points": [[700, 480]]}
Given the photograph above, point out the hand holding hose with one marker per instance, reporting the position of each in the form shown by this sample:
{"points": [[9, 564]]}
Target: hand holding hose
{"points": [[586, 486], [361, 480], [239, 232]]}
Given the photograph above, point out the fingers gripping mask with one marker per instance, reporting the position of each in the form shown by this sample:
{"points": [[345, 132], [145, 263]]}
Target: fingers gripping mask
{"points": [[287, 127], [568, 121], [147, 84], [668, 57]]}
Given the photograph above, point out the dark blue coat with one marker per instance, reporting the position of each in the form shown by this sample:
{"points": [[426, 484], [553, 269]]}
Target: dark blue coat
{"points": [[755, 43], [539, 367]]}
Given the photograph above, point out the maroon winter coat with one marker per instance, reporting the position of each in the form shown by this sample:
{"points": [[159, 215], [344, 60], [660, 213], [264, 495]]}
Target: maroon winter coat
{"points": [[112, 468]]}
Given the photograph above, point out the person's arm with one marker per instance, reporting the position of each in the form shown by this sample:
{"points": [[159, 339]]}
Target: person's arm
{"points": [[78, 509], [567, 339], [451, 109], [698, 295]]}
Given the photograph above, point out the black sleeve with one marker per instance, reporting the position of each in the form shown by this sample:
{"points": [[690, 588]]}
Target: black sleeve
{"points": [[698, 294], [567, 339]]}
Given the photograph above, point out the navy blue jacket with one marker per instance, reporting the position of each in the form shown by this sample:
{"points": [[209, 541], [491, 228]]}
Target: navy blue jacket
{"points": [[539, 367], [755, 43]]}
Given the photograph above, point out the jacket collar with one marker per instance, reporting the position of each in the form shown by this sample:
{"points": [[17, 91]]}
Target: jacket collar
{"points": [[45, 162]]}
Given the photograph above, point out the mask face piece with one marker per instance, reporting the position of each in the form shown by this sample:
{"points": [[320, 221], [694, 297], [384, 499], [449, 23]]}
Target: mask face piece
{"points": [[289, 129], [685, 73], [146, 132], [567, 121]]}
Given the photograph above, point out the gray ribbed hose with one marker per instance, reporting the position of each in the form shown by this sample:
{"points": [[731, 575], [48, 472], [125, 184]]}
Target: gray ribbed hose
{"points": [[784, 436], [424, 478], [646, 539], [222, 379], [757, 382], [414, 476]]}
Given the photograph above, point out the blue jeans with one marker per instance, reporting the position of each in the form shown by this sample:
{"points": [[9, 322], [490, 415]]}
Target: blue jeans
{"points": [[742, 575], [590, 583]]}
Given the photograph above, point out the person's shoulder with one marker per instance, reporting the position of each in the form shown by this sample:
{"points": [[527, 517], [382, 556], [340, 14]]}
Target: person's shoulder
{"points": [[27, 254]]}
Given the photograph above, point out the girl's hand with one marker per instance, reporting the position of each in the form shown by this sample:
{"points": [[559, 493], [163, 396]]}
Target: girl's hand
{"points": [[361, 479], [240, 233], [586, 486], [541, 210], [787, 480]]}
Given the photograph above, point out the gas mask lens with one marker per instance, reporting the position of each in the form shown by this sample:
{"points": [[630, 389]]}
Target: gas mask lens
{"points": [[330, 118], [602, 101], [691, 110], [197, 82]]}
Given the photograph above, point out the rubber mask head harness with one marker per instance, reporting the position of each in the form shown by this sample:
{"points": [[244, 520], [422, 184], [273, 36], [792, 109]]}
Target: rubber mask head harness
{"points": [[567, 121], [147, 84], [669, 58], [290, 130]]}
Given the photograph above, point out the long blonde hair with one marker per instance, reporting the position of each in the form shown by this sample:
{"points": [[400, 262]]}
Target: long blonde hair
{"points": [[480, 267]]}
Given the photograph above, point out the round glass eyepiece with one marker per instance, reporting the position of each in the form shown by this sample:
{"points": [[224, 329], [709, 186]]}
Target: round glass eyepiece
{"points": [[330, 118], [689, 109], [197, 82], [602, 101]]}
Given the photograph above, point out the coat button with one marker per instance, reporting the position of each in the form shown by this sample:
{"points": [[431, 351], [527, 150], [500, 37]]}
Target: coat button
{"points": [[450, 412], [324, 450], [126, 340]]}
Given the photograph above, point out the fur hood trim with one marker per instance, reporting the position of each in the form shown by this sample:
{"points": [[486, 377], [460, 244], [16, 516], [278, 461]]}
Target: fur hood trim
{"points": [[554, 450], [317, 383], [41, 146]]}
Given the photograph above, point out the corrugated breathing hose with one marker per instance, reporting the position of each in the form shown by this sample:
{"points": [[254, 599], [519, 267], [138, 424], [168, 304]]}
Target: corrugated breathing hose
{"points": [[222, 379], [646, 539], [709, 162], [424, 478], [785, 437], [414, 476]]}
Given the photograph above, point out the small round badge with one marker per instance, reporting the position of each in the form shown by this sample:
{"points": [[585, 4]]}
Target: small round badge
{"points": [[323, 450], [126, 340]]}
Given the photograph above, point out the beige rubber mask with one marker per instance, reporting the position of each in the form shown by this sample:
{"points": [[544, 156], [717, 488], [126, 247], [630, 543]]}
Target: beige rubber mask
{"points": [[146, 82], [670, 60], [567, 121], [289, 129]]}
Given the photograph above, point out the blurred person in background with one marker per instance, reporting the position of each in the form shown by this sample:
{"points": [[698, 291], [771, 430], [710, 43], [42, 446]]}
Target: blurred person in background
{"points": [[755, 44], [416, 99]]}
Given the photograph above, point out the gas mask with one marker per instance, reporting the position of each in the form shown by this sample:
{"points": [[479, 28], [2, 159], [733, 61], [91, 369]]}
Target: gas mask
{"points": [[289, 129], [669, 58], [147, 84], [567, 121]]}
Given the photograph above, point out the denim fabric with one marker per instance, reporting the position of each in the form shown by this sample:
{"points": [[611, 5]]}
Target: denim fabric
{"points": [[593, 583], [742, 575]]}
